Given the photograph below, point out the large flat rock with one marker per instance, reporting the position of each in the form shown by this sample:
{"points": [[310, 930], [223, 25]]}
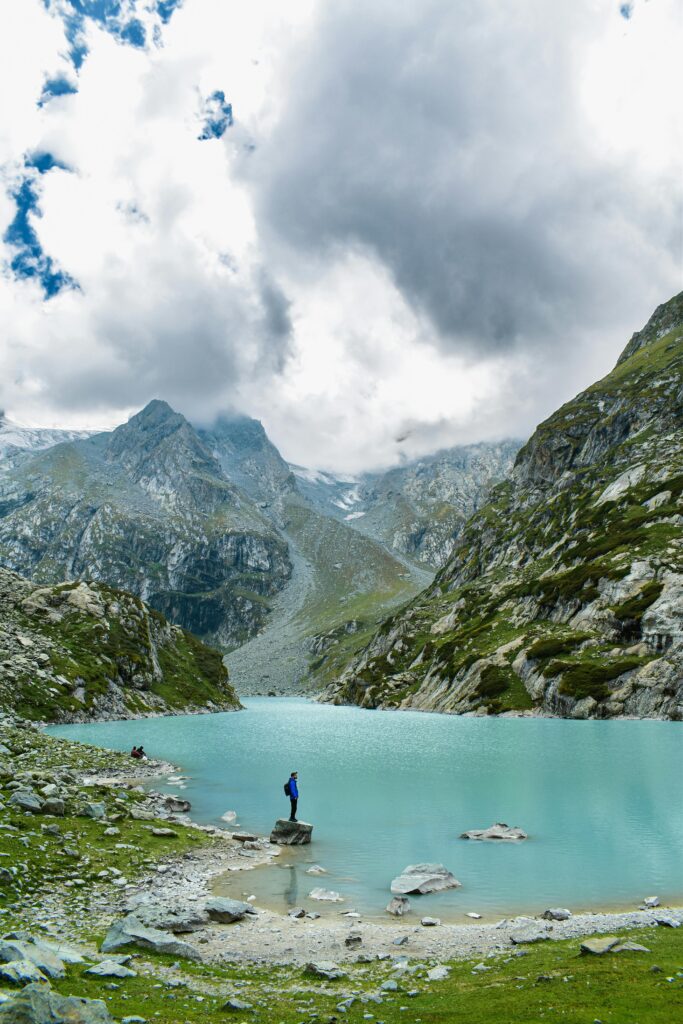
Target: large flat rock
{"points": [[424, 878], [500, 832], [291, 833]]}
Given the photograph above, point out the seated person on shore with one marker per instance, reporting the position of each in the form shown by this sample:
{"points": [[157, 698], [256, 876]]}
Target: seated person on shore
{"points": [[136, 752]]}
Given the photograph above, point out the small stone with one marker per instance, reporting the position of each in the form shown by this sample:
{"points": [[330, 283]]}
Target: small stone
{"points": [[398, 906], [401, 940], [94, 810], [111, 969], [630, 947], [389, 986], [430, 922], [599, 945], [164, 832], [424, 878], [439, 973], [353, 941], [500, 832], [296, 912], [324, 969], [668, 922], [316, 869], [475, 917], [112, 831], [651, 901], [235, 1005], [557, 914], [225, 910]]}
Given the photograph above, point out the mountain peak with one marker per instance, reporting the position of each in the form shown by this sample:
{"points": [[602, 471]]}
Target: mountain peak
{"points": [[665, 318]]}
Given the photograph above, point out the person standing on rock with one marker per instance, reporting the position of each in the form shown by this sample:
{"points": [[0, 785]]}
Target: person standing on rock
{"points": [[292, 791]]}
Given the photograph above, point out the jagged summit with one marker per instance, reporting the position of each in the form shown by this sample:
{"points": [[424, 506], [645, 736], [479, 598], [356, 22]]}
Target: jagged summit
{"points": [[665, 318]]}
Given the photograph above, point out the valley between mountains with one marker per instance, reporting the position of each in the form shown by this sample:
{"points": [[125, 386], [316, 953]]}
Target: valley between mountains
{"points": [[490, 579]]}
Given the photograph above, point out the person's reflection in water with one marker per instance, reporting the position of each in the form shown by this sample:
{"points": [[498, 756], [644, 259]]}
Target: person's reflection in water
{"points": [[292, 891]]}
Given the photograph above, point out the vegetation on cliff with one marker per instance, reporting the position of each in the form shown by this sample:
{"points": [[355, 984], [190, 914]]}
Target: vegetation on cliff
{"points": [[569, 582]]}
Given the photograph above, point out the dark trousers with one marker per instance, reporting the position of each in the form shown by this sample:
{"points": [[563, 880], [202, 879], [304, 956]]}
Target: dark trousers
{"points": [[293, 801]]}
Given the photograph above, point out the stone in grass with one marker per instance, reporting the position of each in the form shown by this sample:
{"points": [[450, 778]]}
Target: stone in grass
{"points": [[134, 1019], [25, 800], [111, 969], [225, 911], [324, 969], [44, 959], [424, 878], [54, 805], [630, 947], [235, 1005], [531, 933], [291, 833], [65, 953], [556, 914], [598, 945], [398, 906], [389, 986], [37, 1003], [164, 832], [130, 931], [94, 810], [439, 973], [21, 972]]}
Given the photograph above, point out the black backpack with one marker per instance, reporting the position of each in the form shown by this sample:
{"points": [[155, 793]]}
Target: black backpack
{"points": [[287, 792]]}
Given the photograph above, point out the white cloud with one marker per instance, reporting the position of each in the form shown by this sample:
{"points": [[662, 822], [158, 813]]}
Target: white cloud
{"points": [[383, 138]]}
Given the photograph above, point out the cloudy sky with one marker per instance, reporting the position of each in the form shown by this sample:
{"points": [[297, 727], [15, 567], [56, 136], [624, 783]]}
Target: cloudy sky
{"points": [[379, 227]]}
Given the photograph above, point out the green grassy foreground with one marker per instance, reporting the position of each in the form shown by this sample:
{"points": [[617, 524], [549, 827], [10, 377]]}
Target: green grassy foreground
{"points": [[551, 983]]}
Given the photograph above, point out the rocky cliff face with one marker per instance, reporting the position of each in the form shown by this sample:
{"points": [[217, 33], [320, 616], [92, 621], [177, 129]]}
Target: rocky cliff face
{"points": [[146, 509], [418, 509], [79, 651], [564, 594]]}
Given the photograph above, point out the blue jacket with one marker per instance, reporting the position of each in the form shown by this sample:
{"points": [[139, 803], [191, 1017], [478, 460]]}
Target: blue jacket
{"points": [[293, 789]]}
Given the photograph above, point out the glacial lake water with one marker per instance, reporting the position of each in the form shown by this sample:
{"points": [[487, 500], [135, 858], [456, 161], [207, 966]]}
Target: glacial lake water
{"points": [[601, 801]]}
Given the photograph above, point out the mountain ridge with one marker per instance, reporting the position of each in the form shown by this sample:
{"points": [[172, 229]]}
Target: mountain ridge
{"points": [[564, 594]]}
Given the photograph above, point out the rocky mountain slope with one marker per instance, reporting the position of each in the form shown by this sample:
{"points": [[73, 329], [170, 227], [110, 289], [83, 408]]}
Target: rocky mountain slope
{"points": [[564, 594], [148, 509], [417, 509], [18, 441], [77, 651]]}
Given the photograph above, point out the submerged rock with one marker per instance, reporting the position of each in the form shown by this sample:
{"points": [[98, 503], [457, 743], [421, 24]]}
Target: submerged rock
{"points": [[424, 878], [500, 832], [328, 895], [291, 833]]}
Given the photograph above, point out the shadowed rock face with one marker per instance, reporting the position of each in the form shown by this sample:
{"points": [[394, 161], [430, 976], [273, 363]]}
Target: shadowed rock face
{"points": [[147, 509], [564, 594]]}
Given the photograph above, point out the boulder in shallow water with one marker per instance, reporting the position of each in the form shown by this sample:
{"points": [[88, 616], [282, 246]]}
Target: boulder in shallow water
{"points": [[291, 833], [423, 878], [37, 1003], [500, 832], [398, 906]]}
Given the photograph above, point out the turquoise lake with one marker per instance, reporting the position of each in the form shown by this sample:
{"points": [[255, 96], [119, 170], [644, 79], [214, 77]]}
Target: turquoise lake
{"points": [[601, 801]]}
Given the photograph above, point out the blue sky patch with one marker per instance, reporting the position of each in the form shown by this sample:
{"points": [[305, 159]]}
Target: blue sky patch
{"points": [[217, 114], [29, 260], [57, 86]]}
